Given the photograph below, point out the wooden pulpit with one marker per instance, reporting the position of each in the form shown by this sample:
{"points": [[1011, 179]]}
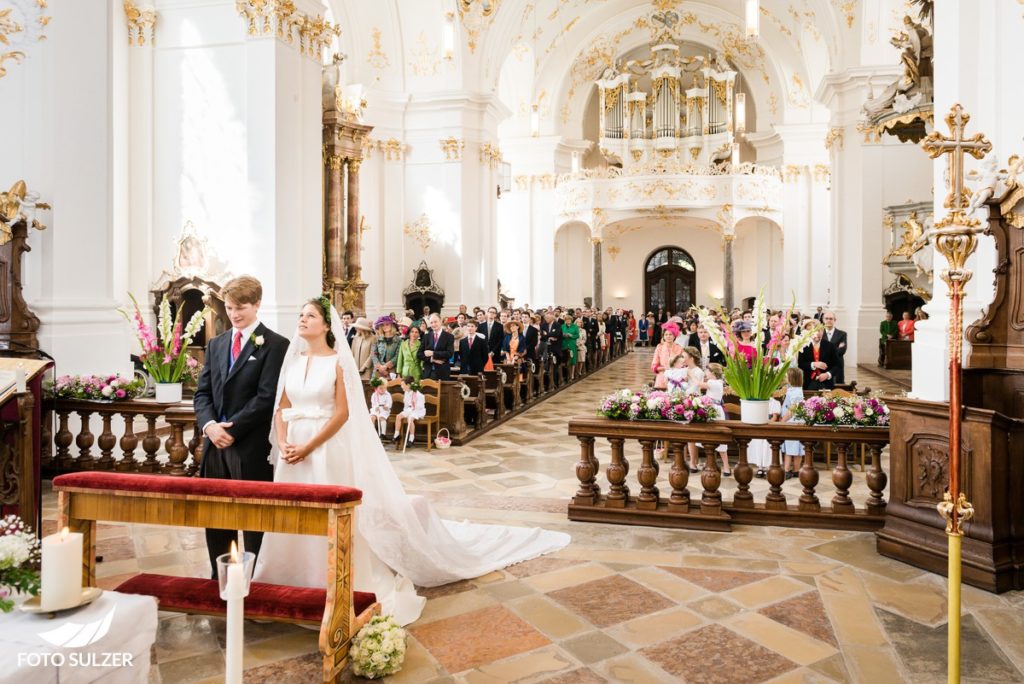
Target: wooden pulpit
{"points": [[21, 443], [992, 470]]}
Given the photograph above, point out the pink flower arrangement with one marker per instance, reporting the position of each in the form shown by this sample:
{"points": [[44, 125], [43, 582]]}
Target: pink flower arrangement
{"points": [[850, 411], [659, 405], [164, 353], [97, 387]]}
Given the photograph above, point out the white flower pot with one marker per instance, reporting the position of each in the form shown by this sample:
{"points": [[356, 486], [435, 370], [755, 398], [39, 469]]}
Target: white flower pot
{"points": [[754, 411], [168, 392]]}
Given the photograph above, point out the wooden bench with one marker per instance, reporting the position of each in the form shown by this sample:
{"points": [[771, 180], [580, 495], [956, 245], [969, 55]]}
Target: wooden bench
{"points": [[510, 386], [475, 405], [494, 393], [88, 497]]}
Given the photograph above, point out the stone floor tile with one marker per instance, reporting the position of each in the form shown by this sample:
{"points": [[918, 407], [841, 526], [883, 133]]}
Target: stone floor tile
{"points": [[447, 606], [295, 670], [539, 565], [185, 636], [537, 665], [419, 665], [922, 600], [921, 648], [802, 675], [567, 577], [804, 613], [787, 642], [547, 616], [833, 667], [859, 552], [469, 640], [582, 675], [633, 668], [714, 607], [725, 657], [668, 583], [647, 630], [766, 591], [610, 600], [506, 591], [593, 647], [194, 668], [1005, 626], [716, 579]]}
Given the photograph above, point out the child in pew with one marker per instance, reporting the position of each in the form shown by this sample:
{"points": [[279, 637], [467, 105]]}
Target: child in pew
{"points": [[380, 406], [413, 408], [714, 387], [794, 395]]}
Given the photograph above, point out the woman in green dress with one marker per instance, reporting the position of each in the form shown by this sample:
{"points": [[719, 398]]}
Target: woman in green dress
{"points": [[570, 333], [407, 363]]}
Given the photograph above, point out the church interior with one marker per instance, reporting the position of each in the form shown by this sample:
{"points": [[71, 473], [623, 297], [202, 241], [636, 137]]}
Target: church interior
{"points": [[642, 170]]}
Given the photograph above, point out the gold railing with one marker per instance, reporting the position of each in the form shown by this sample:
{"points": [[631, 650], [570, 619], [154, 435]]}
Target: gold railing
{"points": [[165, 425], [614, 501]]}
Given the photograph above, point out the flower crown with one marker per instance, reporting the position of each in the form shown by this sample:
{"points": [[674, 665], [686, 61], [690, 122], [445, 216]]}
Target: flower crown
{"points": [[325, 303], [376, 382], [414, 385]]}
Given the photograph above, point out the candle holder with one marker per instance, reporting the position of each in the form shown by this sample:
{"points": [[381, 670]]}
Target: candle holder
{"points": [[235, 584]]}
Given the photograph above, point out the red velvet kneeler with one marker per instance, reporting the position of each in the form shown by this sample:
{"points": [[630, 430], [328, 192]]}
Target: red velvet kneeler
{"points": [[265, 601]]}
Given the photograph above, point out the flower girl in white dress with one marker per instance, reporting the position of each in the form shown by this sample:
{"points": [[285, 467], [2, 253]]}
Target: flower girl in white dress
{"points": [[323, 435]]}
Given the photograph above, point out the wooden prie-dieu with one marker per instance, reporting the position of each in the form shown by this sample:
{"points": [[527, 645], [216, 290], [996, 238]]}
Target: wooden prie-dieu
{"points": [[992, 437]]}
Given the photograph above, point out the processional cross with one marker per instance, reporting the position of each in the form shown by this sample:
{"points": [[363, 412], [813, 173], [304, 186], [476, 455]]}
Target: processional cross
{"points": [[936, 144], [955, 238]]}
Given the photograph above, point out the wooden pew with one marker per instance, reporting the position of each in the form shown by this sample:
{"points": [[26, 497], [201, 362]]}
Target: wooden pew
{"points": [[510, 386], [475, 405], [494, 391], [453, 410], [526, 386], [89, 497]]}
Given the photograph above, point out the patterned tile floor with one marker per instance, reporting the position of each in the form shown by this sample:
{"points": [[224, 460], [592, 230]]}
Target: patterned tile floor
{"points": [[620, 604]]}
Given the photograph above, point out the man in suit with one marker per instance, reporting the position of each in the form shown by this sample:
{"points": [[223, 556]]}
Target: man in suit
{"points": [[709, 352], [346, 326], [473, 350], [494, 331], [819, 315], [819, 362], [234, 401], [838, 339], [436, 351], [551, 338], [531, 335]]}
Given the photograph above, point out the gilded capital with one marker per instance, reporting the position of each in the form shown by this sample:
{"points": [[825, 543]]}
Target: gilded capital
{"points": [[141, 23]]}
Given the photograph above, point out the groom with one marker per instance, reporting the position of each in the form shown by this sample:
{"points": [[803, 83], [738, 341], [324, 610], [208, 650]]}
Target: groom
{"points": [[234, 401]]}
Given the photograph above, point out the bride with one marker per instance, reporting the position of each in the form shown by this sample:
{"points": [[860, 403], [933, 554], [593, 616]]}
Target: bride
{"points": [[323, 435]]}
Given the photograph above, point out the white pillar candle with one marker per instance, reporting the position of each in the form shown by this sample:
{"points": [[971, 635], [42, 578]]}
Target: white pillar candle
{"points": [[234, 594], [19, 378], [61, 580]]}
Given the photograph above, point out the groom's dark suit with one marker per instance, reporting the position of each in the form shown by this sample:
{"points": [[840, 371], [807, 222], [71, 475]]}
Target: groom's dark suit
{"points": [[242, 393]]}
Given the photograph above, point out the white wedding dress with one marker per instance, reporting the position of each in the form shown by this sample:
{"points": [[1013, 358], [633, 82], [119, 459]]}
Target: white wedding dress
{"points": [[399, 539]]}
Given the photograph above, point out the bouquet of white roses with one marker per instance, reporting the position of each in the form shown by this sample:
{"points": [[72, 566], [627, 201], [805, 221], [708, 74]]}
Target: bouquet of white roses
{"points": [[378, 650], [19, 557]]}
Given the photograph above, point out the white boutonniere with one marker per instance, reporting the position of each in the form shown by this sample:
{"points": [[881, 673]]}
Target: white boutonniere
{"points": [[257, 340]]}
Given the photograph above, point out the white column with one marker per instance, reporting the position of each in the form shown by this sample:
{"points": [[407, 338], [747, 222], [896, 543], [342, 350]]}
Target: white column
{"points": [[72, 274], [976, 55]]}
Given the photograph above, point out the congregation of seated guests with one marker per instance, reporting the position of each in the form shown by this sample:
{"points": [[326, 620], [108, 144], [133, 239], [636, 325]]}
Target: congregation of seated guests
{"points": [[428, 345]]}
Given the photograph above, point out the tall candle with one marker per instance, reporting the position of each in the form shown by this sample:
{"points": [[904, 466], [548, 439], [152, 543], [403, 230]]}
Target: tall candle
{"points": [[61, 578], [234, 593], [19, 378]]}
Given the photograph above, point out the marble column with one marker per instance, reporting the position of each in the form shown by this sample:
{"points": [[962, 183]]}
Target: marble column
{"points": [[727, 286], [334, 269], [598, 278], [353, 266]]}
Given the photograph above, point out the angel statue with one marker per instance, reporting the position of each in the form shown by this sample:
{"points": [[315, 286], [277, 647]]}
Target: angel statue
{"points": [[989, 182]]}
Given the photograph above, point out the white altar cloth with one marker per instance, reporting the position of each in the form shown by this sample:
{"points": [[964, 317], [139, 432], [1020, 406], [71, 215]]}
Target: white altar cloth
{"points": [[108, 641]]}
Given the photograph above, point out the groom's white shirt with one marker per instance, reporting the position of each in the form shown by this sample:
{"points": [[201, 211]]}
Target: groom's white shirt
{"points": [[246, 334]]}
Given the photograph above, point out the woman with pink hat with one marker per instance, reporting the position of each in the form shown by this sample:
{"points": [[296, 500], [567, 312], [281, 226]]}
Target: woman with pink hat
{"points": [[666, 350]]}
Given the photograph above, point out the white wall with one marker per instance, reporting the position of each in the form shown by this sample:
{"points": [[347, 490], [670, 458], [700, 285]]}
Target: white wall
{"points": [[573, 265], [624, 275]]}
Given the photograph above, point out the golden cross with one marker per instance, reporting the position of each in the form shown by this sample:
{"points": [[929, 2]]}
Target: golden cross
{"points": [[936, 144]]}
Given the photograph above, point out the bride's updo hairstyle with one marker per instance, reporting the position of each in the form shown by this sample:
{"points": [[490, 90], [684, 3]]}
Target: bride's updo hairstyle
{"points": [[323, 305]]}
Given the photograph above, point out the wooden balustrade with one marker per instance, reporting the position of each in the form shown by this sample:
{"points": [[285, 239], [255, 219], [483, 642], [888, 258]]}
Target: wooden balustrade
{"points": [[173, 421], [709, 511]]}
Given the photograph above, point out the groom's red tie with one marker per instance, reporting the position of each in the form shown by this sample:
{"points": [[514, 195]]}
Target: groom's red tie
{"points": [[236, 346]]}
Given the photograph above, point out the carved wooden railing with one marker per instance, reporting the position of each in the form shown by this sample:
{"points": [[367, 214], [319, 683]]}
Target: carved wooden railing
{"points": [[615, 502], [121, 454]]}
